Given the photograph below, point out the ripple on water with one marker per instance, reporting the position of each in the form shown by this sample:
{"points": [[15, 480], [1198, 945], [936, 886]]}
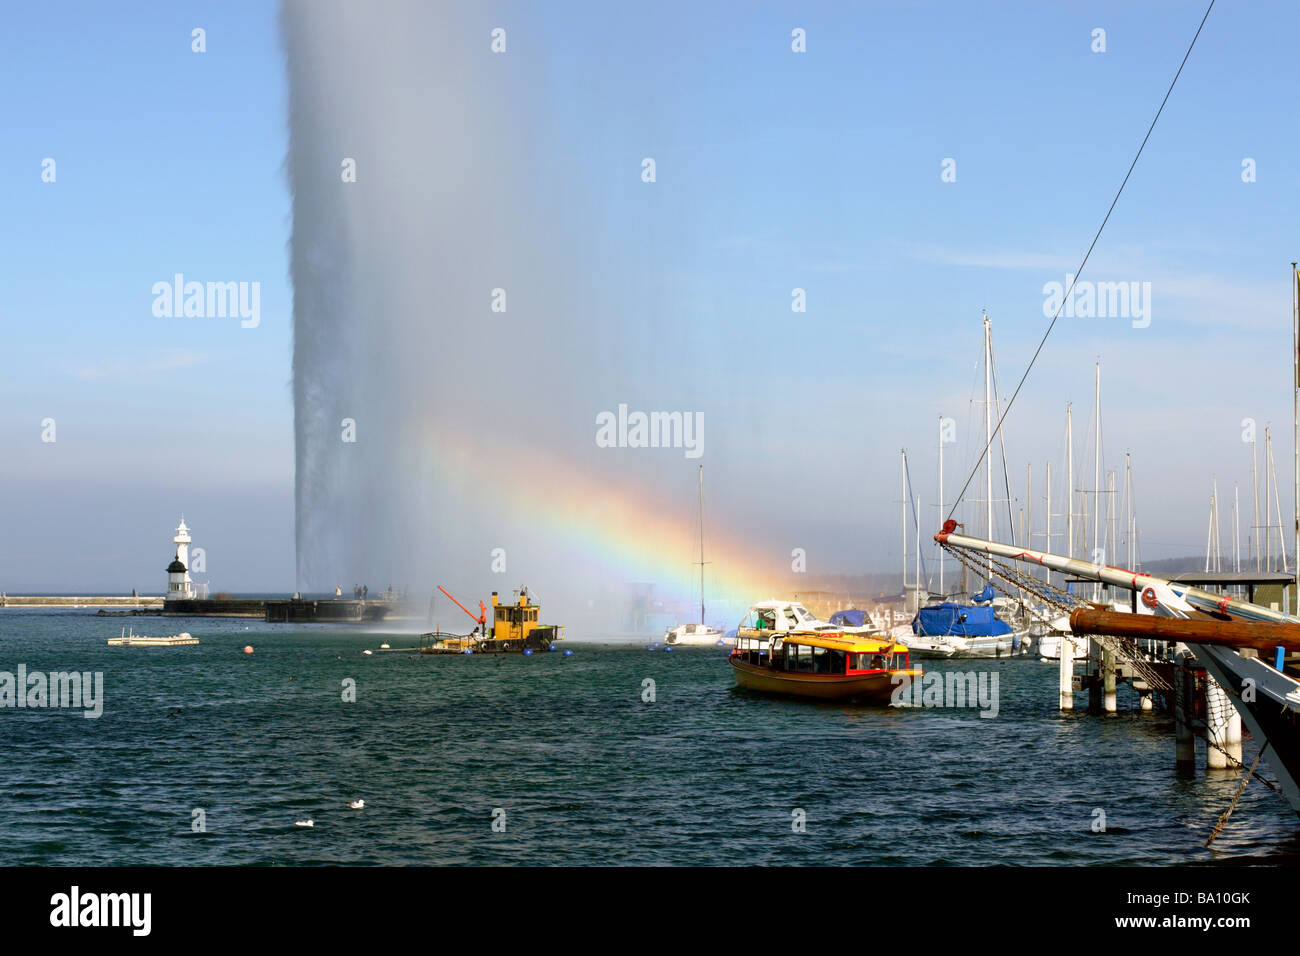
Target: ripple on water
{"points": [[576, 765]]}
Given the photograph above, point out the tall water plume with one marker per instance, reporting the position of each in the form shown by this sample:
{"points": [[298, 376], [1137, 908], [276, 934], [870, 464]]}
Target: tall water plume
{"points": [[474, 428]]}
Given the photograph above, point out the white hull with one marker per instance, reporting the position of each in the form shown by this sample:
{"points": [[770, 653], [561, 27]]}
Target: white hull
{"points": [[696, 635], [922, 645], [938, 647], [1000, 645], [1049, 647]]}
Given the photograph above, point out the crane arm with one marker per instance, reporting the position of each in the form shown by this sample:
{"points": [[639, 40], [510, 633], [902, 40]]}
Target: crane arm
{"points": [[482, 610]]}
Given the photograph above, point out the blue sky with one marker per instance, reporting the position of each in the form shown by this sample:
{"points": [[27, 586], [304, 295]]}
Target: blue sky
{"points": [[818, 170]]}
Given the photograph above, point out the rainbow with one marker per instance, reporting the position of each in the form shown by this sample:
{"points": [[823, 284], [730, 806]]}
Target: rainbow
{"points": [[614, 534]]}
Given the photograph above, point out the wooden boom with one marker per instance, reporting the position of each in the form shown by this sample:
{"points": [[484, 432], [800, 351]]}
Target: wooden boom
{"points": [[1116, 577], [1261, 635]]}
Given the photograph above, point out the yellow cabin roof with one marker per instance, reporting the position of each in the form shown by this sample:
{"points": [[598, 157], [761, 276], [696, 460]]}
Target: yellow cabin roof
{"points": [[832, 640]]}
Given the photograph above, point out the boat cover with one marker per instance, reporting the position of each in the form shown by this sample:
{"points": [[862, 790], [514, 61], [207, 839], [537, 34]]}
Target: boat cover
{"points": [[850, 618], [939, 620], [984, 596]]}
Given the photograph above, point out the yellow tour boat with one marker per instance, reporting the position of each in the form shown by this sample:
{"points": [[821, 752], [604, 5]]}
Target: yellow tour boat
{"points": [[826, 665]]}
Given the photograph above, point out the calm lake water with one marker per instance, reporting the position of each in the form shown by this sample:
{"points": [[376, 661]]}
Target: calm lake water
{"points": [[584, 769]]}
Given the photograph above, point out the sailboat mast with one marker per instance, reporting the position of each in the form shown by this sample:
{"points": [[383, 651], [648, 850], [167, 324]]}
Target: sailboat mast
{"points": [[1254, 489], [1217, 551], [701, 544], [1069, 480], [1268, 500], [918, 553], [1128, 507], [1047, 536], [902, 481], [1236, 528], [1209, 535], [1029, 505], [1112, 517], [1281, 533], [988, 437], [942, 589], [1295, 420], [1096, 471]]}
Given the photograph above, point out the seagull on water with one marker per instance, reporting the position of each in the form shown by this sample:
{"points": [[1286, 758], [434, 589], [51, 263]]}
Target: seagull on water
{"points": [[304, 823], [357, 804]]}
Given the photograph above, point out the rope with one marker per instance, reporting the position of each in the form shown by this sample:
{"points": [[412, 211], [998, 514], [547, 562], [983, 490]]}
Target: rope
{"points": [[1124, 649], [1223, 820], [1078, 272]]}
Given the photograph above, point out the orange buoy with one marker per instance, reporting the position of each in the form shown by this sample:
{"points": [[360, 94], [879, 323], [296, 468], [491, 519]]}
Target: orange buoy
{"points": [[248, 648]]}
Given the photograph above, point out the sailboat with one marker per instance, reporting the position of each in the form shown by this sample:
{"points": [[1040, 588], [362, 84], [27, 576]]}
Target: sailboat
{"points": [[972, 628], [700, 634]]}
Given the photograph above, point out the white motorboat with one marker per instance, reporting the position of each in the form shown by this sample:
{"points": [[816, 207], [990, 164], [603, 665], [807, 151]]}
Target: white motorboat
{"points": [[696, 634], [781, 617]]}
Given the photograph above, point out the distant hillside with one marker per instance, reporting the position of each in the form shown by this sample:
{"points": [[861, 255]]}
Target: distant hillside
{"points": [[1167, 567]]}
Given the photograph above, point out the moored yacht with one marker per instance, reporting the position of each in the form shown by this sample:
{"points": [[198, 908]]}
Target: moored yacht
{"points": [[973, 630], [785, 616], [696, 634]]}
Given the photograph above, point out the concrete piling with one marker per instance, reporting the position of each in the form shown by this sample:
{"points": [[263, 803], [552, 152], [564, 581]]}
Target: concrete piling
{"points": [[1108, 681], [1066, 674], [1222, 729]]}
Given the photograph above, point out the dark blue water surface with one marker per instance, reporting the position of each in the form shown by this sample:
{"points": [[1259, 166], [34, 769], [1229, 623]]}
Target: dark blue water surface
{"points": [[584, 769]]}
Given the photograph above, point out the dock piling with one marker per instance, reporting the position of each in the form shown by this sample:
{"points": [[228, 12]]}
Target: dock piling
{"points": [[1108, 680], [1184, 705], [1067, 672], [1222, 729]]}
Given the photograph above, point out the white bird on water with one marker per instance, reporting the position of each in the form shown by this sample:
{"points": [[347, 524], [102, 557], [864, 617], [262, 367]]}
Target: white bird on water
{"points": [[367, 653], [357, 804], [304, 823]]}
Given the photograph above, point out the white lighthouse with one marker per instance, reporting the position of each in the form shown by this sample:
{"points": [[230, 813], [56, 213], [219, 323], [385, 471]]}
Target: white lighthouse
{"points": [[179, 584]]}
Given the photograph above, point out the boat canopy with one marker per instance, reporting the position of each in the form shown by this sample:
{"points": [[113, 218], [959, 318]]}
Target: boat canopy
{"points": [[849, 618], [939, 620], [849, 643]]}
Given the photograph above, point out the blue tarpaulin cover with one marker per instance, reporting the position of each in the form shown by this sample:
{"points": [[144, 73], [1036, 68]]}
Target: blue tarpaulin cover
{"points": [[984, 596], [962, 620], [849, 618]]}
